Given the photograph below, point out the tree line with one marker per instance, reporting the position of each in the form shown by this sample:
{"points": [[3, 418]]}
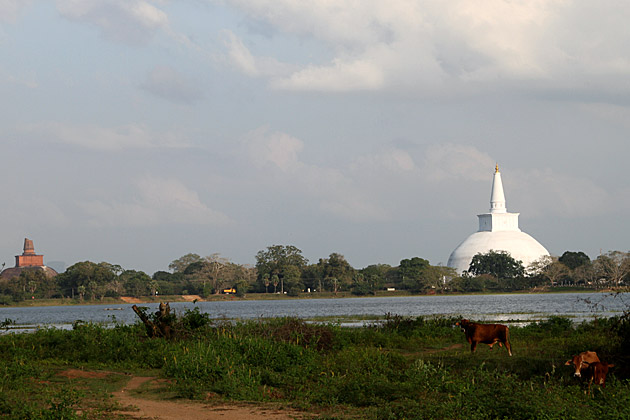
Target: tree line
{"points": [[283, 269]]}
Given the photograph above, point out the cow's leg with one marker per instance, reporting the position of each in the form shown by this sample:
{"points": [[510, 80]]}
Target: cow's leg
{"points": [[473, 346], [508, 346]]}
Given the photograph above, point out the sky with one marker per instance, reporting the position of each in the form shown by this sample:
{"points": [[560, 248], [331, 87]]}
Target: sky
{"points": [[137, 131]]}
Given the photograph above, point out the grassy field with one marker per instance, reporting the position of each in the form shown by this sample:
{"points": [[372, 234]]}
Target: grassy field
{"points": [[405, 368]]}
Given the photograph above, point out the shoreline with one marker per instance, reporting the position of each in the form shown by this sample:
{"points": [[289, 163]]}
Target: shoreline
{"points": [[277, 296]]}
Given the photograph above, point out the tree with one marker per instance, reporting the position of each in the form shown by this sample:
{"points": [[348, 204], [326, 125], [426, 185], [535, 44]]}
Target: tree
{"points": [[266, 282], [499, 264], [574, 260], [334, 284], [363, 285], [585, 274], [32, 282], [381, 274], [180, 264], [95, 279], [313, 277], [211, 273], [244, 278], [613, 266], [436, 276], [137, 283], [549, 268], [410, 272], [218, 270], [291, 280], [336, 266], [169, 283], [276, 260]]}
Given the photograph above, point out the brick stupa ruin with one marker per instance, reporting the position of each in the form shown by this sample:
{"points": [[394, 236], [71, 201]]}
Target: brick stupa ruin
{"points": [[29, 260]]}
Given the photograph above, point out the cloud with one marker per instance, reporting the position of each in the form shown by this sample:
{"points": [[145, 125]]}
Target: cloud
{"points": [[128, 21], [240, 57], [613, 115], [34, 212], [278, 149], [158, 202], [550, 192], [341, 76], [167, 83], [24, 79], [425, 45], [131, 136], [456, 161], [392, 160], [10, 9], [276, 156]]}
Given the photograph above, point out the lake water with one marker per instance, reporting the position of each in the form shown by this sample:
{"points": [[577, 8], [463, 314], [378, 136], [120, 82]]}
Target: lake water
{"points": [[506, 307]]}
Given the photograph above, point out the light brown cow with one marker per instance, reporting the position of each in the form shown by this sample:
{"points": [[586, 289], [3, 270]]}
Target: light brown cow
{"points": [[581, 361], [486, 333]]}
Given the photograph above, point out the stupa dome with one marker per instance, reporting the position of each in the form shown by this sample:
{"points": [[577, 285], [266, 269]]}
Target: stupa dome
{"points": [[498, 231]]}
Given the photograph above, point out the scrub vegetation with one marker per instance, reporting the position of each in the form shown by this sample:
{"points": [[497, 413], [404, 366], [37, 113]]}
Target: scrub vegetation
{"points": [[402, 368], [282, 270]]}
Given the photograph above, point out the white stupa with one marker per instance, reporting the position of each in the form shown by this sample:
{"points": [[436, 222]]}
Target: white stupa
{"points": [[498, 231]]}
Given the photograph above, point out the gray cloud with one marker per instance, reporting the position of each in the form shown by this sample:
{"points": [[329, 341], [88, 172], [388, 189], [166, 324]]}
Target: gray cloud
{"points": [[427, 45], [158, 201], [130, 136], [128, 21], [167, 83], [11, 9]]}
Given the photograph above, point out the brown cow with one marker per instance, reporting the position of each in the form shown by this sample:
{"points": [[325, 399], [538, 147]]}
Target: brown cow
{"points": [[486, 333], [596, 372], [581, 361]]}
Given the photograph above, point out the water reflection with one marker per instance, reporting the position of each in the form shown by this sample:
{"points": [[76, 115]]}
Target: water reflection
{"points": [[520, 307]]}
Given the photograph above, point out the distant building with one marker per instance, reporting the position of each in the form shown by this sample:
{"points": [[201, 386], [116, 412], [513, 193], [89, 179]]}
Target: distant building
{"points": [[29, 260], [498, 231]]}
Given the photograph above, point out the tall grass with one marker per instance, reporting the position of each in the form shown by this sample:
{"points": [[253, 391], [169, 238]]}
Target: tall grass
{"points": [[405, 368]]}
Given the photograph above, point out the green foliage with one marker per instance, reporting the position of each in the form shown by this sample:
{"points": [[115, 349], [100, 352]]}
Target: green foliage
{"points": [[498, 264], [194, 319], [336, 271], [384, 273], [402, 368], [280, 263], [574, 260], [411, 273], [137, 283], [88, 279], [554, 325], [181, 264]]}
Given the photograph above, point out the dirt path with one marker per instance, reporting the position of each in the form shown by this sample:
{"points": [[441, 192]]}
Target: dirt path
{"points": [[451, 347], [171, 410]]}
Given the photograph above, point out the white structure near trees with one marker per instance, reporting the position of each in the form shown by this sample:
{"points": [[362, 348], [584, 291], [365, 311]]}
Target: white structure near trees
{"points": [[498, 231]]}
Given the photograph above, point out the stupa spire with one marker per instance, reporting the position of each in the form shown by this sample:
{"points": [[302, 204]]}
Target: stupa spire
{"points": [[497, 197], [29, 249]]}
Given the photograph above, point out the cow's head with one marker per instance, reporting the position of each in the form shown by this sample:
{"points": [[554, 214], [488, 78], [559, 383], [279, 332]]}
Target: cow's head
{"points": [[463, 324], [581, 361]]}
